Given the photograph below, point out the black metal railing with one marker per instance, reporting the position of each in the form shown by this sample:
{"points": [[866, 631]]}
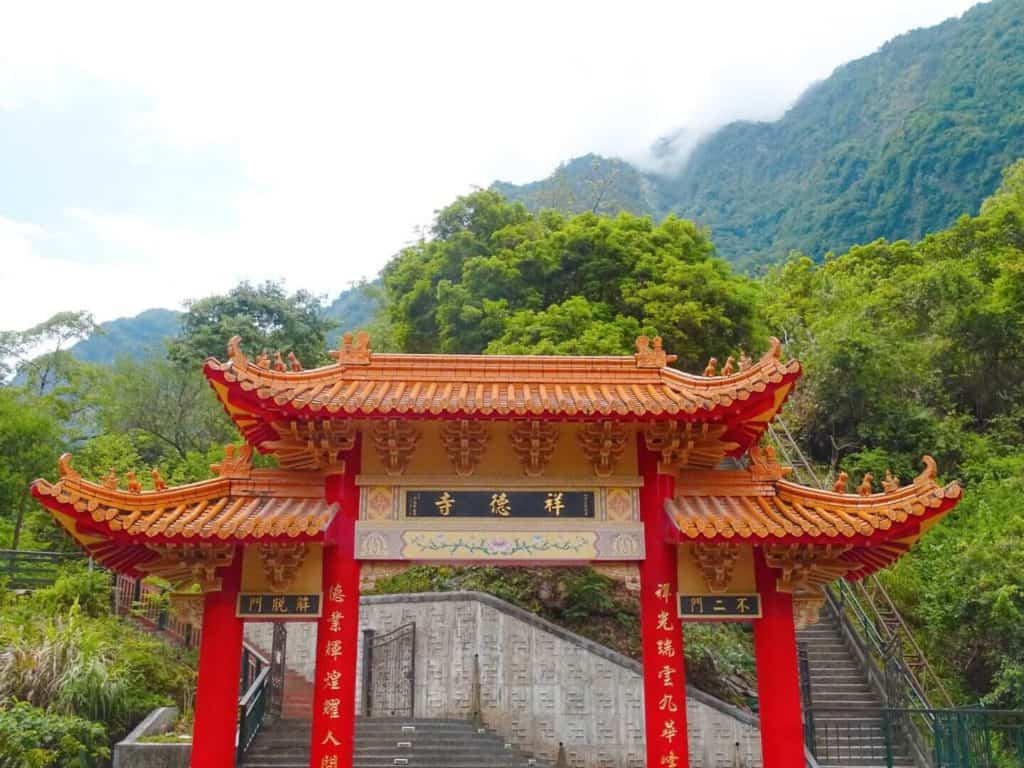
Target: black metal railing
{"points": [[852, 736], [26, 569], [254, 701]]}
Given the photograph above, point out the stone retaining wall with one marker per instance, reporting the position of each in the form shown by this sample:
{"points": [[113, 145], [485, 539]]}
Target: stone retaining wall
{"points": [[539, 684]]}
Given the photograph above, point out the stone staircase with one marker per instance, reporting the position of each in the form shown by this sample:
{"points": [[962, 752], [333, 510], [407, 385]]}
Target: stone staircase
{"points": [[386, 742], [849, 730]]}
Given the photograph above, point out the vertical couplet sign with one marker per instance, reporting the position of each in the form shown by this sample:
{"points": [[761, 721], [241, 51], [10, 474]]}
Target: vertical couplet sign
{"points": [[661, 631], [337, 630]]}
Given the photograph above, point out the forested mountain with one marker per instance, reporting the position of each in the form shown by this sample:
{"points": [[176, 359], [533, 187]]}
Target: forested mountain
{"points": [[146, 334], [136, 337], [896, 144]]}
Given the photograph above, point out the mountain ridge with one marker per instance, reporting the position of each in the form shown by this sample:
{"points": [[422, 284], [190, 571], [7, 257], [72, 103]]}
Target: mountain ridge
{"points": [[894, 144]]}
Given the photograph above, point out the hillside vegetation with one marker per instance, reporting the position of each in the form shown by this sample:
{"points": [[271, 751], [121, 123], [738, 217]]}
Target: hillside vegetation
{"points": [[896, 144], [908, 348]]}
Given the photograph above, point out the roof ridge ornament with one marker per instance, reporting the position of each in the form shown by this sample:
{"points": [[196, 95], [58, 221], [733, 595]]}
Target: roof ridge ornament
{"points": [[650, 354], [237, 462], [67, 472], [354, 350], [929, 473], [235, 353]]}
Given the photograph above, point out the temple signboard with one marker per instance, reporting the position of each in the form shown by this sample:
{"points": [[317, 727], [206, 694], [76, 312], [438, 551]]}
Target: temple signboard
{"points": [[499, 503], [719, 607], [271, 606]]}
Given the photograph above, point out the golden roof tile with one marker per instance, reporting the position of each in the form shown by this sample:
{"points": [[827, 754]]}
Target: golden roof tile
{"points": [[728, 506], [116, 526]]}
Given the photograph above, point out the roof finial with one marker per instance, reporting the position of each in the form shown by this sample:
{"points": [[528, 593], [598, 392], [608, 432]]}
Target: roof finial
{"points": [[745, 361], [651, 354], [110, 480], [840, 484], [67, 472], [293, 362], [355, 350], [263, 361], [930, 472], [134, 486], [775, 350], [235, 353], [730, 363], [711, 368], [279, 362]]}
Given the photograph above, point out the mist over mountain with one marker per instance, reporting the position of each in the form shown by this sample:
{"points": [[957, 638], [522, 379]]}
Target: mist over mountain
{"points": [[895, 145]]}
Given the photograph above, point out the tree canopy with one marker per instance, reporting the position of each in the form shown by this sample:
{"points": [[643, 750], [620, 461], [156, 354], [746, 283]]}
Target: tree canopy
{"points": [[495, 278]]}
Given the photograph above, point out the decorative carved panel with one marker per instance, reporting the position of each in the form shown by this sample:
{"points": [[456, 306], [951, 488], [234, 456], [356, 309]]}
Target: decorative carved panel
{"points": [[281, 562], [534, 442], [395, 440], [464, 442], [717, 562], [603, 443]]}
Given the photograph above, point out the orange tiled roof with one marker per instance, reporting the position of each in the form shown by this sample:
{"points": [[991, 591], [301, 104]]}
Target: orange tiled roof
{"points": [[361, 385], [116, 525], [720, 507]]}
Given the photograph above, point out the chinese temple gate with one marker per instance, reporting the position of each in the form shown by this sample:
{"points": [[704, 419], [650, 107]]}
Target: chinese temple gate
{"points": [[649, 474]]}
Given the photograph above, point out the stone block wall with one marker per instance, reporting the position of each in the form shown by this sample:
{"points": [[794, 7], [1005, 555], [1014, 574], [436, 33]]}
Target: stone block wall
{"points": [[539, 684]]}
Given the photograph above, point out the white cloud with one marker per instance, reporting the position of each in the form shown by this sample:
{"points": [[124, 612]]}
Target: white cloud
{"points": [[355, 121]]}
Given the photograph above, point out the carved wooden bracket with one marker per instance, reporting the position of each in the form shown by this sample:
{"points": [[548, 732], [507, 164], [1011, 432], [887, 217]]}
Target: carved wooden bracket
{"points": [[717, 563], [804, 566], [534, 442], [464, 442], [185, 565], [281, 562], [603, 443], [317, 444], [395, 442], [686, 444]]}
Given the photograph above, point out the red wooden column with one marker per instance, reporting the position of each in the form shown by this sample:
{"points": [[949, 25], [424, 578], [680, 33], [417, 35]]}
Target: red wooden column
{"points": [[660, 629], [778, 676], [220, 668], [334, 700]]}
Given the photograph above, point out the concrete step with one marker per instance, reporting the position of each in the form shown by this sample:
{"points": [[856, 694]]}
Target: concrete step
{"points": [[394, 742]]}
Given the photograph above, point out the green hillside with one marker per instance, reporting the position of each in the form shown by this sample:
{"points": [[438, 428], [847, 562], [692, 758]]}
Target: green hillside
{"points": [[136, 337], [896, 144]]}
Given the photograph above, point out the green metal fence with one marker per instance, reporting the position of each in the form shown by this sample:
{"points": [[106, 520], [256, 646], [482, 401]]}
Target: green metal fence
{"points": [[975, 738]]}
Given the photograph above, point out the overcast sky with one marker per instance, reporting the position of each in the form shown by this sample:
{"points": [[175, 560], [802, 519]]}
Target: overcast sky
{"points": [[149, 156]]}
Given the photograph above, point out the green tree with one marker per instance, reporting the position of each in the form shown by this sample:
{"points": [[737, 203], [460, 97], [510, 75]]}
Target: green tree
{"points": [[265, 316], [29, 444], [495, 278]]}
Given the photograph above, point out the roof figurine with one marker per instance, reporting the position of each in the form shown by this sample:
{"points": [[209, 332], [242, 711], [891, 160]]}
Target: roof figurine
{"points": [[354, 350], [293, 363], [840, 484], [711, 367], [650, 354], [730, 363], [866, 488]]}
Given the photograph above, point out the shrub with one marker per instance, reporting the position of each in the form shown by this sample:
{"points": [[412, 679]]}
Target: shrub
{"points": [[30, 737]]}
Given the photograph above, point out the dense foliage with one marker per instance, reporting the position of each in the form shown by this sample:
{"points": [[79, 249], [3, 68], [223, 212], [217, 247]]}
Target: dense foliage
{"points": [[73, 678], [495, 278], [908, 348], [897, 144]]}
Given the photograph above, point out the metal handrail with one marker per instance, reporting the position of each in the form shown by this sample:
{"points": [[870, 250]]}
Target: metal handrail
{"points": [[870, 619], [904, 633]]}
